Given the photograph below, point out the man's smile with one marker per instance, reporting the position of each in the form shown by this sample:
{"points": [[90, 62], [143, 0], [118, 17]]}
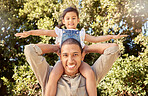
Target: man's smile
{"points": [[71, 66]]}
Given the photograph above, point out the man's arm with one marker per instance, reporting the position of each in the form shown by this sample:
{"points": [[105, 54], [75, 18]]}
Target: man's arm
{"points": [[38, 63], [103, 64], [48, 48], [97, 48]]}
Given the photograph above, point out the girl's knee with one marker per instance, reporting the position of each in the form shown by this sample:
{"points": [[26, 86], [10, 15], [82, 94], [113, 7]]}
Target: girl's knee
{"points": [[59, 65], [86, 70]]}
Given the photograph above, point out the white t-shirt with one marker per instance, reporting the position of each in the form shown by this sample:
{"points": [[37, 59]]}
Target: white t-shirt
{"points": [[59, 32]]}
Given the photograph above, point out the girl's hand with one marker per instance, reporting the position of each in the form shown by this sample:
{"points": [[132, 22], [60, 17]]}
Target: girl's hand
{"points": [[119, 36], [23, 35]]}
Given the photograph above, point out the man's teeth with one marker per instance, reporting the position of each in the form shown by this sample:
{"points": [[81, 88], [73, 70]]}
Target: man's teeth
{"points": [[71, 66]]}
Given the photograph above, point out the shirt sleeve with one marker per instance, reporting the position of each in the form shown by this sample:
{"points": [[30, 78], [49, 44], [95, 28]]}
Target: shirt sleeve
{"points": [[104, 63], [58, 31], [38, 63], [82, 37]]}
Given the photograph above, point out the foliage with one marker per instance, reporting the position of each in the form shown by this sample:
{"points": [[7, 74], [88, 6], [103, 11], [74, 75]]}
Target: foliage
{"points": [[98, 17], [11, 48], [25, 82], [127, 77]]}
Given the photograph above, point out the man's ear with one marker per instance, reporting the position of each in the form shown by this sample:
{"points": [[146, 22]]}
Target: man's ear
{"points": [[59, 55], [83, 55]]}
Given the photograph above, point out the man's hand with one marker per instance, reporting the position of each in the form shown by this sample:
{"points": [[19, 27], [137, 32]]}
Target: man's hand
{"points": [[84, 51], [57, 51], [23, 35]]}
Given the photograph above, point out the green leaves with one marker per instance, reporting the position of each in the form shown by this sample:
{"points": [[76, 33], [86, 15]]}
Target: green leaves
{"points": [[45, 23], [25, 81], [103, 17], [128, 74]]}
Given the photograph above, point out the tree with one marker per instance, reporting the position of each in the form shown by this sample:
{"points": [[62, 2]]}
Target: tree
{"points": [[8, 46], [11, 48], [98, 17], [129, 74]]}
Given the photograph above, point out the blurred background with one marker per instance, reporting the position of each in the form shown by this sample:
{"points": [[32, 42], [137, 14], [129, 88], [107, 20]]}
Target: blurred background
{"points": [[129, 74]]}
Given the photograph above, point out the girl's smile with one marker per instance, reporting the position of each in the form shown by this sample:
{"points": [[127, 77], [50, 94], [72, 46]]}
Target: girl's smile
{"points": [[70, 20]]}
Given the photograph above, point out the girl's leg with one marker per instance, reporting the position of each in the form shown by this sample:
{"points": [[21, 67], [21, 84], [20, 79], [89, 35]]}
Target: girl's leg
{"points": [[88, 73], [54, 76]]}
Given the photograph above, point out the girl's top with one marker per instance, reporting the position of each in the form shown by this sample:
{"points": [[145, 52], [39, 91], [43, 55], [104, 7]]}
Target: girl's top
{"points": [[63, 34]]}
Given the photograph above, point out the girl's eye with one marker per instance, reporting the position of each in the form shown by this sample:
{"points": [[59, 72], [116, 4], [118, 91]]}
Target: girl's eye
{"points": [[74, 18], [67, 18]]}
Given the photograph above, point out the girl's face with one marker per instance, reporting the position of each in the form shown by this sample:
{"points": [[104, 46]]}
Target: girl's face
{"points": [[70, 20]]}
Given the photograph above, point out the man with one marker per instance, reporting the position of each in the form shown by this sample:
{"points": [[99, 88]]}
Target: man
{"points": [[72, 83]]}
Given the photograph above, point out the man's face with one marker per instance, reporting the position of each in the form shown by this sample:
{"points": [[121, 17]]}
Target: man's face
{"points": [[71, 58], [71, 20]]}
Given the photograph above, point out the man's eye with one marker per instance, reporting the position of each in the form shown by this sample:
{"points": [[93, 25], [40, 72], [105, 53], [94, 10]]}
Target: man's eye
{"points": [[64, 55], [74, 18], [75, 54]]}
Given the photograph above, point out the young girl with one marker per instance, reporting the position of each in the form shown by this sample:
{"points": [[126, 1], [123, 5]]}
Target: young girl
{"points": [[70, 18]]}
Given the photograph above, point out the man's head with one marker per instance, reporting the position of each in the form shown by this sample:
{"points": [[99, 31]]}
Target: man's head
{"points": [[71, 56]]}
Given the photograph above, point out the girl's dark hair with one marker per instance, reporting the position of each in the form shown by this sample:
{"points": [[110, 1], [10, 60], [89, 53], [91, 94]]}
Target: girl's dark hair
{"points": [[72, 41], [69, 9]]}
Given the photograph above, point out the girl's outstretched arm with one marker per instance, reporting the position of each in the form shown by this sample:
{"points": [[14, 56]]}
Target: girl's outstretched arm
{"points": [[36, 33], [98, 39]]}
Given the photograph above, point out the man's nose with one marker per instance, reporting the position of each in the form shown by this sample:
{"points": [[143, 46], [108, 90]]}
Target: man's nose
{"points": [[70, 59]]}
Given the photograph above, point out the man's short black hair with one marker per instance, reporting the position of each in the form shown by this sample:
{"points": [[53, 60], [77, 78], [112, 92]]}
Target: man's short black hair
{"points": [[72, 41]]}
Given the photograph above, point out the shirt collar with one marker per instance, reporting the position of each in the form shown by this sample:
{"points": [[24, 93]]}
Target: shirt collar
{"points": [[65, 75]]}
